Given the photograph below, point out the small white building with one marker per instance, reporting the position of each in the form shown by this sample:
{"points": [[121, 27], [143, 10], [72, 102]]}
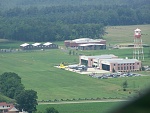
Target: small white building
{"points": [[25, 46], [38, 46]]}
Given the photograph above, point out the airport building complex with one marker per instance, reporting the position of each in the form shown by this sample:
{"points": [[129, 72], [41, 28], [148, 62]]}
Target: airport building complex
{"points": [[111, 63], [86, 44]]}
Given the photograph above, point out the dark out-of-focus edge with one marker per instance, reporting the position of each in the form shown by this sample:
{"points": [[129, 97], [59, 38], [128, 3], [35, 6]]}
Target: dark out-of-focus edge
{"points": [[139, 105]]}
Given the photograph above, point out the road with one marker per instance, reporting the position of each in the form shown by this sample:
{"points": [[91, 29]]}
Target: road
{"points": [[84, 101]]}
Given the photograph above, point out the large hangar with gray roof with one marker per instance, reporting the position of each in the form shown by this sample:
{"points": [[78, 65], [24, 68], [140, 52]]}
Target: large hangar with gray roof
{"points": [[86, 44]]}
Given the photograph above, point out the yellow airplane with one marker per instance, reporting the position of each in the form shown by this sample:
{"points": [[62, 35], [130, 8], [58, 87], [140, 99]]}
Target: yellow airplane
{"points": [[62, 66]]}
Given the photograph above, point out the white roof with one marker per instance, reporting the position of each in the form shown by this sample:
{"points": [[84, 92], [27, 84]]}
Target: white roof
{"points": [[85, 40], [137, 29], [106, 56], [47, 43], [36, 44], [25, 44], [119, 60], [90, 44], [13, 109], [81, 40]]}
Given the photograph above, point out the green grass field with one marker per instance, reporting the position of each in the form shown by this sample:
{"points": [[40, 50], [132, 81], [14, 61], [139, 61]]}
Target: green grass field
{"points": [[36, 68], [83, 108], [125, 34], [37, 71]]}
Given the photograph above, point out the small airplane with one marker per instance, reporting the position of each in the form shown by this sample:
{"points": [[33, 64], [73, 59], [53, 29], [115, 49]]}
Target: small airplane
{"points": [[62, 66]]}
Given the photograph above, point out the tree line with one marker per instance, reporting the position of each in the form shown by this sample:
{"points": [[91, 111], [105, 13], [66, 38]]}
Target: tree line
{"points": [[11, 86], [41, 29], [26, 100], [7, 4], [58, 23]]}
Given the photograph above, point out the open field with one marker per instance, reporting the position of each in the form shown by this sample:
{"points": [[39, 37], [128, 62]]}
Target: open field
{"points": [[83, 107], [7, 44], [125, 34], [37, 71]]}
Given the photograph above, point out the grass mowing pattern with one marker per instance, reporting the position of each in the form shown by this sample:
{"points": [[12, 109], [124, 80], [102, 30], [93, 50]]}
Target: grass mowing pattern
{"points": [[37, 71]]}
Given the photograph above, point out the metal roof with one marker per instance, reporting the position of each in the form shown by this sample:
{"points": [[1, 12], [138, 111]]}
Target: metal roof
{"points": [[106, 56], [25, 44], [137, 29], [90, 44], [13, 109], [47, 43], [119, 60], [36, 44], [85, 40]]}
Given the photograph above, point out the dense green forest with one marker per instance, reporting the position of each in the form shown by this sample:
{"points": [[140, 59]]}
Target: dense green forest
{"points": [[56, 20]]}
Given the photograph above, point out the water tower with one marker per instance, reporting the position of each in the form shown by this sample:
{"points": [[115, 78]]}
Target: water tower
{"points": [[138, 46]]}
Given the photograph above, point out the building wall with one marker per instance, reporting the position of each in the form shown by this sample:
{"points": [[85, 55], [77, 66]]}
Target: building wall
{"points": [[52, 46], [101, 42], [74, 44], [90, 62], [92, 47], [28, 47], [67, 43], [125, 67], [13, 112], [4, 108], [122, 67]]}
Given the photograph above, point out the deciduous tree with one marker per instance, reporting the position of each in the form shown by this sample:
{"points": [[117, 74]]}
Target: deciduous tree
{"points": [[10, 84], [125, 85], [27, 100], [51, 110]]}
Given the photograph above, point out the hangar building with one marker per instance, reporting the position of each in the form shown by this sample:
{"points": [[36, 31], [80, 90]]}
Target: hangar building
{"points": [[38, 46], [86, 44], [110, 63]]}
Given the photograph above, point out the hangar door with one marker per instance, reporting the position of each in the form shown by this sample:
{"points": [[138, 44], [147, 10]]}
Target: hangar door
{"points": [[106, 67], [84, 62]]}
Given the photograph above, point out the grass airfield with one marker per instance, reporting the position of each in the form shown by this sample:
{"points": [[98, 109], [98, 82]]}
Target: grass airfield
{"points": [[36, 68], [104, 107], [37, 71]]}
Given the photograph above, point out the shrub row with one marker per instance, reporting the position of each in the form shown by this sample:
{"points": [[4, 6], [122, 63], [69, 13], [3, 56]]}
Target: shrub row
{"points": [[79, 99]]}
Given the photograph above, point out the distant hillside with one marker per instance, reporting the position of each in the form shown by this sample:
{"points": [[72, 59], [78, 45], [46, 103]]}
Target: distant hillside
{"points": [[58, 20], [7, 4]]}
